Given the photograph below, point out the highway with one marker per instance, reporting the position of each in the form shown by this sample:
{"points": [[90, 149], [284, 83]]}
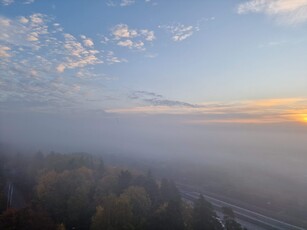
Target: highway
{"points": [[254, 218]]}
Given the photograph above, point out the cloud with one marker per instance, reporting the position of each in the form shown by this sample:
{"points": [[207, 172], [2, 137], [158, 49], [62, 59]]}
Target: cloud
{"points": [[127, 43], [23, 20], [266, 111], [149, 35], [284, 11], [60, 68], [112, 59], [122, 3], [4, 51], [154, 99], [127, 2], [131, 38], [166, 102], [76, 55], [7, 2], [34, 51], [29, 1], [151, 55], [88, 42], [24, 31], [141, 94], [122, 31], [180, 32]]}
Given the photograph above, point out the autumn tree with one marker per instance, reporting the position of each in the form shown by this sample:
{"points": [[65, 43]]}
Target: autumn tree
{"points": [[140, 204], [150, 185], [115, 213], [67, 196]]}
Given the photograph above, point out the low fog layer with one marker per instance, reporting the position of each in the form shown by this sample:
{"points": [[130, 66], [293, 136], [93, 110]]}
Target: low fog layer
{"points": [[279, 148]]}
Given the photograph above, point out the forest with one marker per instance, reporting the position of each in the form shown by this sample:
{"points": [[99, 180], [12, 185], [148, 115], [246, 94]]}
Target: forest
{"points": [[79, 191]]}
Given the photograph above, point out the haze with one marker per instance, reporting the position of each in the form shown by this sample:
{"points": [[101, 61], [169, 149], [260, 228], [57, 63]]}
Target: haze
{"points": [[209, 83]]}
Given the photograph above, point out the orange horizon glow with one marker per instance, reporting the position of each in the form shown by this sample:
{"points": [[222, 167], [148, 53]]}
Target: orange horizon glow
{"points": [[269, 111]]}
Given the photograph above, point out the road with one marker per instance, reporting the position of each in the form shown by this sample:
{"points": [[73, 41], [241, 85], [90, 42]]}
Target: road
{"points": [[253, 218]]}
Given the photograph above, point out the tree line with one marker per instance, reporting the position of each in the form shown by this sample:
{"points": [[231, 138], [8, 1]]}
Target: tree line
{"points": [[78, 191]]}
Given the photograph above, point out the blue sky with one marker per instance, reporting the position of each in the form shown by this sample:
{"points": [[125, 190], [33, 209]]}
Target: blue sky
{"points": [[240, 61]]}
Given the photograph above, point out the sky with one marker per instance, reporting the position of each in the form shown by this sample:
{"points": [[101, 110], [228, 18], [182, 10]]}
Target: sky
{"points": [[151, 64]]}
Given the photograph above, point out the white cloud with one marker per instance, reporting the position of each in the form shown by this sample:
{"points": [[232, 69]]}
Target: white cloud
{"points": [[31, 44], [112, 59], [87, 41], [132, 38], [149, 35], [285, 11], [130, 44], [24, 31], [151, 55], [23, 20], [32, 36], [4, 22], [37, 19], [7, 2], [4, 51], [127, 43], [78, 55], [179, 31], [127, 2], [114, 3], [29, 1], [123, 31], [34, 53], [60, 68]]}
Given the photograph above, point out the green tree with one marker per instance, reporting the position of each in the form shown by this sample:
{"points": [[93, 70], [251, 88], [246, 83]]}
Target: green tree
{"points": [[67, 196], [105, 186], [150, 185], [140, 204]]}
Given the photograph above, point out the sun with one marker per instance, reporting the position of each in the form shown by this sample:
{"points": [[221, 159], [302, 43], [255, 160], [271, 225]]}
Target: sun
{"points": [[304, 118]]}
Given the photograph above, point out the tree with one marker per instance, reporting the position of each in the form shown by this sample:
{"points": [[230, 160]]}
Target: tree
{"points": [[67, 196], [150, 185], [105, 186], [140, 204], [204, 216], [167, 216], [115, 213], [124, 181], [229, 219], [174, 215], [26, 219], [169, 191]]}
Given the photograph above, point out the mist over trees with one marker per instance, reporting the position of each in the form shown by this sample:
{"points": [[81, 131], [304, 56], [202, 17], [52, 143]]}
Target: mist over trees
{"points": [[78, 191]]}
